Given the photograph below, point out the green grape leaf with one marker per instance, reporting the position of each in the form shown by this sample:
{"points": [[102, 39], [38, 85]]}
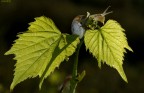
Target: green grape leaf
{"points": [[108, 45], [40, 50]]}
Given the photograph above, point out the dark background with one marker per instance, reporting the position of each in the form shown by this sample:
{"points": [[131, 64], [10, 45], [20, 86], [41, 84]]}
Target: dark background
{"points": [[16, 14]]}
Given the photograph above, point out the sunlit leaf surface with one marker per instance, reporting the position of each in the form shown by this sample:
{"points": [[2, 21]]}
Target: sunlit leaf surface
{"points": [[108, 45], [40, 50]]}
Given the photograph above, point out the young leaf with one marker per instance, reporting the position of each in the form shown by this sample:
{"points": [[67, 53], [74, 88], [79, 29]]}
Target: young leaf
{"points": [[108, 45], [40, 50]]}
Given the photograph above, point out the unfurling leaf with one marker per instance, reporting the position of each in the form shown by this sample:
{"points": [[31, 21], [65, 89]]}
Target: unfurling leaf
{"points": [[40, 50], [81, 76], [108, 45]]}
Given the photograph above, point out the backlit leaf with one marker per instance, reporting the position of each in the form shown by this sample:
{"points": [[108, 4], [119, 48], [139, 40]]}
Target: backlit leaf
{"points": [[108, 45], [40, 50]]}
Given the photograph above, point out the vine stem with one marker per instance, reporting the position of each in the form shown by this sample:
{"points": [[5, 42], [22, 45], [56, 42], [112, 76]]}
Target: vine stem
{"points": [[74, 80]]}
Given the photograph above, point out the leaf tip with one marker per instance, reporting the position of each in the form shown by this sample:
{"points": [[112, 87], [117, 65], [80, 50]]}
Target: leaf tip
{"points": [[7, 53], [125, 79], [130, 49], [122, 74], [99, 65], [11, 87]]}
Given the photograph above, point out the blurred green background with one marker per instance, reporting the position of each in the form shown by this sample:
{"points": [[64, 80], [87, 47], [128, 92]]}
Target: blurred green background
{"points": [[16, 14]]}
